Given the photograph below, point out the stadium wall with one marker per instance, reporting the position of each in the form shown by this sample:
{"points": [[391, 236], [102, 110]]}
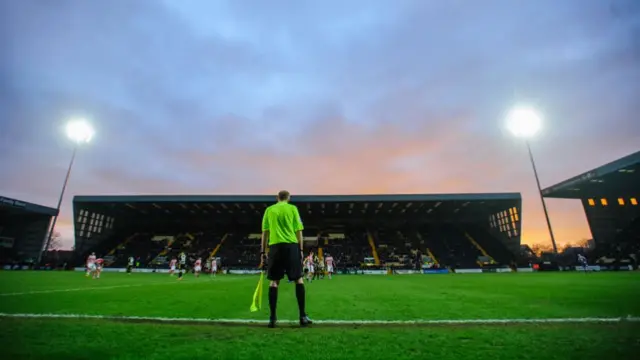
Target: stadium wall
{"points": [[378, 272], [468, 271], [373, 272], [407, 272]]}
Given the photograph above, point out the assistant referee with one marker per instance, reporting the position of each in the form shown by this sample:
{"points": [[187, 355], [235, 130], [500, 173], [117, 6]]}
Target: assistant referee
{"points": [[282, 231]]}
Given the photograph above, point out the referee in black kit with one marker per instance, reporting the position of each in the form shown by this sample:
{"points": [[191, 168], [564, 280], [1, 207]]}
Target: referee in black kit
{"points": [[282, 231]]}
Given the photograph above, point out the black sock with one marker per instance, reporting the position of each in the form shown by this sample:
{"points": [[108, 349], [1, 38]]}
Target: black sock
{"points": [[300, 296], [179, 274], [273, 301]]}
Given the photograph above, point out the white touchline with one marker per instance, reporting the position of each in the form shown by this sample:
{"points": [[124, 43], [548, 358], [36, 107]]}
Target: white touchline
{"points": [[331, 322]]}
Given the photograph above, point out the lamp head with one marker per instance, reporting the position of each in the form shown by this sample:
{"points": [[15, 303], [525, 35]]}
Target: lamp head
{"points": [[80, 131], [524, 122]]}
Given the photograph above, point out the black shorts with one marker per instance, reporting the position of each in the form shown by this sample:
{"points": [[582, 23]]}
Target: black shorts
{"points": [[284, 259], [129, 267]]}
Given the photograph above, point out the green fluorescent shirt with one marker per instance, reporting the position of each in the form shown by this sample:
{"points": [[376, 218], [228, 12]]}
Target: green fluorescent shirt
{"points": [[282, 220]]}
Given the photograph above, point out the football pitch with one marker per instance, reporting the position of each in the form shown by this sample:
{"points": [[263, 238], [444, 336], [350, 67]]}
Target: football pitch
{"points": [[64, 315]]}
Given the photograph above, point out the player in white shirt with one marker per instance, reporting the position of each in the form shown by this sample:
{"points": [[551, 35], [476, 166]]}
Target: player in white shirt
{"points": [[583, 262], [198, 267], [182, 264], [318, 266], [328, 260], [214, 267], [91, 264], [130, 262]]}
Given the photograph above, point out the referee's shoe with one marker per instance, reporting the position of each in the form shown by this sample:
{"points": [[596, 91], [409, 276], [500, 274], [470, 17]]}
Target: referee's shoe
{"points": [[304, 322]]}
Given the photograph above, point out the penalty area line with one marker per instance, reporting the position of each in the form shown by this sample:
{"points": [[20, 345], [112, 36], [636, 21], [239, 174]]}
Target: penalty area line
{"points": [[153, 319]]}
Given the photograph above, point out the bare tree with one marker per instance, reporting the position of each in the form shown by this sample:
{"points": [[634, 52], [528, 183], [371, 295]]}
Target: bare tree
{"points": [[566, 246], [538, 249], [584, 243]]}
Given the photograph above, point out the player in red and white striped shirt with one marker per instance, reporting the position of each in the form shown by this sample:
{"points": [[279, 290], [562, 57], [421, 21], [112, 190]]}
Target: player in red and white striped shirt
{"points": [[172, 266], [99, 264], [214, 267], [91, 264], [198, 267], [329, 261], [308, 264]]}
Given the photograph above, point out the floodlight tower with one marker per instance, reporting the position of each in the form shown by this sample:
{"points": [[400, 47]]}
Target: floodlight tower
{"points": [[80, 132], [524, 122]]}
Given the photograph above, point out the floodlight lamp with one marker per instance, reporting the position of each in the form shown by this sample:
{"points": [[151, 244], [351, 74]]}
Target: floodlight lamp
{"points": [[80, 131], [524, 122]]}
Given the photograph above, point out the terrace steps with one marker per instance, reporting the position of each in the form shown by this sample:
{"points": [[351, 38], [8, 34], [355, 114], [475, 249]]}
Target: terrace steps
{"points": [[480, 248], [374, 251], [217, 248]]}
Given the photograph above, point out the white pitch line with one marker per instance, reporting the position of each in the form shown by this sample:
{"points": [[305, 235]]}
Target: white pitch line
{"points": [[199, 281], [82, 289], [331, 322]]}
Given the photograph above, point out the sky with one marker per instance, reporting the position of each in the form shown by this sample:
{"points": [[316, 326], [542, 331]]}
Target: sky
{"points": [[317, 97]]}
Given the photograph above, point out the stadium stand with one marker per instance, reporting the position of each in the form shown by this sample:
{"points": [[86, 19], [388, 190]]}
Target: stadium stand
{"points": [[464, 230], [23, 230], [609, 195]]}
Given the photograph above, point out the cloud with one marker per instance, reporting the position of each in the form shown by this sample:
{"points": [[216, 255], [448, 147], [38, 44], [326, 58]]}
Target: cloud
{"points": [[349, 97]]}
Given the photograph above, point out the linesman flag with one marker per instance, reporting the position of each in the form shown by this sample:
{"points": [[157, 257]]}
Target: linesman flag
{"points": [[257, 295]]}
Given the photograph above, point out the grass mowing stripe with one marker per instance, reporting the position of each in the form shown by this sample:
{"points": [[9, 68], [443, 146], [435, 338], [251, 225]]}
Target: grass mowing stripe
{"points": [[330, 322]]}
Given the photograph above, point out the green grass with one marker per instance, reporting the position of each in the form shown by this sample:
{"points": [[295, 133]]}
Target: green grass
{"points": [[349, 297]]}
